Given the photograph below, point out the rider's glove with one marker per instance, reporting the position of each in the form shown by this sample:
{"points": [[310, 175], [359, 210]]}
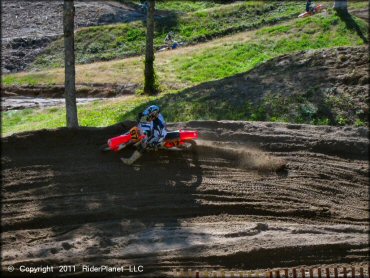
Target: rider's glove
{"points": [[144, 142]]}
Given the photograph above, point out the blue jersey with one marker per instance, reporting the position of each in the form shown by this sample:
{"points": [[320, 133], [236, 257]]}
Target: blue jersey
{"points": [[155, 129], [159, 125]]}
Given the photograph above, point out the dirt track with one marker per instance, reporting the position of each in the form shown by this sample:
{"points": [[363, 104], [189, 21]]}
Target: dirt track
{"points": [[230, 205]]}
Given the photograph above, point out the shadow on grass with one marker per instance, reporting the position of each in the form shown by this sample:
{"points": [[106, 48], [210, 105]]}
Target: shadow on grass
{"points": [[165, 21], [253, 95], [214, 100], [290, 88], [351, 24]]}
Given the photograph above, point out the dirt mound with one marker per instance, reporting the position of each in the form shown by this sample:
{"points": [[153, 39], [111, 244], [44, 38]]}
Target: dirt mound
{"points": [[29, 26], [222, 206], [23, 97], [82, 90]]}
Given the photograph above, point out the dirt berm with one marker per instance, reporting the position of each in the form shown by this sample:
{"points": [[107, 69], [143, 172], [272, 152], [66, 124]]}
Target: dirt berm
{"points": [[254, 195]]}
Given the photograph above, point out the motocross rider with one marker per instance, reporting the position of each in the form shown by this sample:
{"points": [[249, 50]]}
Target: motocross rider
{"points": [[309, 6], [152, 124], [170, 42]]}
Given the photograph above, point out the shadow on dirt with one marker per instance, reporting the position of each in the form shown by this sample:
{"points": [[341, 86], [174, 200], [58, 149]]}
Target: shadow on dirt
{"points": [[66, 202], [94, 205]]}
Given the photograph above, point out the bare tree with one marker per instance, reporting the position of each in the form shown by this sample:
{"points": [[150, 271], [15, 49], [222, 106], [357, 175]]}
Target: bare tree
{"points": [[69, 63], [150, 87], [341, 5]]}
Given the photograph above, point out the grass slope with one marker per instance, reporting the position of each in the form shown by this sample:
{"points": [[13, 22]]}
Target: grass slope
{"points": [[181, 6], [212, 60], [187, 67], [102, 43]]}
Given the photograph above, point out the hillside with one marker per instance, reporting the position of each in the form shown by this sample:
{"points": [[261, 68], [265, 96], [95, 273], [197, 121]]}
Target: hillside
{"points": [[182, 71], [216, 59], [102, 43], [28, 27], [327, 87]]}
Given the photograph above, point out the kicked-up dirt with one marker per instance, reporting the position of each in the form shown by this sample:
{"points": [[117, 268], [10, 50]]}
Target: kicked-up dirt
{"points": [[253, 195]]}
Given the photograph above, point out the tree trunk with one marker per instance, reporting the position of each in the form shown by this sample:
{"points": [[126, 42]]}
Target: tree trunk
{"points": [[340, 5], [69, 63], [150, 87]]}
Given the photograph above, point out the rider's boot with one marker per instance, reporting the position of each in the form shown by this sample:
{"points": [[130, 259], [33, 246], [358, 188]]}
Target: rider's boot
{"points": [[135, 156]]}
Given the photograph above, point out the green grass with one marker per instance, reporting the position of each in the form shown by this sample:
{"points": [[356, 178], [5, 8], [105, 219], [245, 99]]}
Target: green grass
{"points": [[179, 6], [185, 6], [220, 61], [312, 33], [28, 79], [358, 5], [95, 114], [214, 63], [103, 43]]}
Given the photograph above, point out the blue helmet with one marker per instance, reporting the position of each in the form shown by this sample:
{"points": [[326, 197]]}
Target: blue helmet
{"points": [[151, 112]]}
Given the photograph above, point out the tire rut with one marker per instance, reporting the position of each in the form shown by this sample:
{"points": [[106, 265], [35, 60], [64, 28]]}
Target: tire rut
{"points": [[218, 207]]}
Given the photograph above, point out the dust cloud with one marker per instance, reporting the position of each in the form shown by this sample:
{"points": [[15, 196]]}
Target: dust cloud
{"points": [[243, 156]]}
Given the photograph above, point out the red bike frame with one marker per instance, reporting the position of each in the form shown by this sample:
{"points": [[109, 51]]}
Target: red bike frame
{"points": [[185, 135]]}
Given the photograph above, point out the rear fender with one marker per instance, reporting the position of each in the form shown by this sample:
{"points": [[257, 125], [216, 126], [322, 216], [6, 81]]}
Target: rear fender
{"points": [[188, 135]]}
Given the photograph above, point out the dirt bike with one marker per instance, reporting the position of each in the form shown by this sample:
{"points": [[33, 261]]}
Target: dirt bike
{"points": [[172, 46], [179, 139], [313, 10]]}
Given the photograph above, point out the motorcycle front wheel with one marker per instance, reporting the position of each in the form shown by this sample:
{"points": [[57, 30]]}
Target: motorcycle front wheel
{"points": [[188, 145], [104, 148]]}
